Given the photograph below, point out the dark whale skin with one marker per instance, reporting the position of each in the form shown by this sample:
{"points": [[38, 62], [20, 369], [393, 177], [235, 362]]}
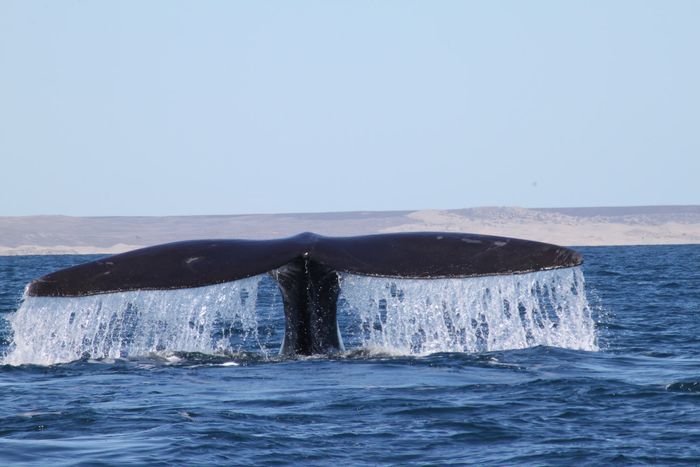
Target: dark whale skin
{"points": [[196, 263]]}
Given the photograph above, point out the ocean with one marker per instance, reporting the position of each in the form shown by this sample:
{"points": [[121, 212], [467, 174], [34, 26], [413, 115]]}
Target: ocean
{"points": [[526, 370]]}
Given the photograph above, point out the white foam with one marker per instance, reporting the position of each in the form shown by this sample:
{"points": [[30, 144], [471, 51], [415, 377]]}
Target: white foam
{"points": [[418, 317], [49, 330]]}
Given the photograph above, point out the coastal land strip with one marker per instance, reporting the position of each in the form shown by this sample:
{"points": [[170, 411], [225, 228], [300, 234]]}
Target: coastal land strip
{"points": [[638, 225]]}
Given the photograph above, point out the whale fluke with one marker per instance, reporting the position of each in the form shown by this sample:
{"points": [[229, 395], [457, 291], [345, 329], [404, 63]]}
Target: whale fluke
{"points": [[306, 269]]}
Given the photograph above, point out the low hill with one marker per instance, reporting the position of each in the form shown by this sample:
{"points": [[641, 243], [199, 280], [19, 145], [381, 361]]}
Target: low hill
{"points": [[565, 226]]}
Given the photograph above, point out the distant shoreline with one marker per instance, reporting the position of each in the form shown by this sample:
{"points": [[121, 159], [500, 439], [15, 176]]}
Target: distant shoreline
{"points": [[602, 226], [112, 251]]}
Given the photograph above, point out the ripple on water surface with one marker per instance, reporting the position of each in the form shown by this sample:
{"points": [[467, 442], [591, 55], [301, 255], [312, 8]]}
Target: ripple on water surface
{"points": [[634, 402]]}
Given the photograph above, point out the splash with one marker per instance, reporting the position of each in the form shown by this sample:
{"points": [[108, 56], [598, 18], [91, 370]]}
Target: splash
{"points": [[213, 319], [490, 313]]}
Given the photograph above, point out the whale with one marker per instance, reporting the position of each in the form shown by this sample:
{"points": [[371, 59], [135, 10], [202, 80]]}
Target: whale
{"points": [[306, 268]]}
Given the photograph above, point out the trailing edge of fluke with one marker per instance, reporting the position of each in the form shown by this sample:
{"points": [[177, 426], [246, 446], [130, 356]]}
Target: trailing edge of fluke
{"points": [[306, 269]]}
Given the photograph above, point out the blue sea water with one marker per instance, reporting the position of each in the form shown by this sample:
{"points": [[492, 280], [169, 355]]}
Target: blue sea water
{"points": [[634, 400]]}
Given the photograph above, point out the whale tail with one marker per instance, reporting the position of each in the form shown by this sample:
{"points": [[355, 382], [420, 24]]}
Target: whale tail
{"points": [[306, 269]]}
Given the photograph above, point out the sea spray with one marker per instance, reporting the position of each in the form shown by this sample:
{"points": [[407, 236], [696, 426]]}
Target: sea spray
{"points": [[212, 319], [418, 317]]}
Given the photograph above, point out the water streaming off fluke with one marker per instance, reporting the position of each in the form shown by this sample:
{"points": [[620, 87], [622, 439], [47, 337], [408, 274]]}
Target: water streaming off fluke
{"points": [[468, 315], [397, 316], [212, 319]]}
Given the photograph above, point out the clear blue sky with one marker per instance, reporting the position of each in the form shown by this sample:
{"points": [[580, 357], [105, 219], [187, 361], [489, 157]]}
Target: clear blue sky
{"points": [[223, 107]]}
